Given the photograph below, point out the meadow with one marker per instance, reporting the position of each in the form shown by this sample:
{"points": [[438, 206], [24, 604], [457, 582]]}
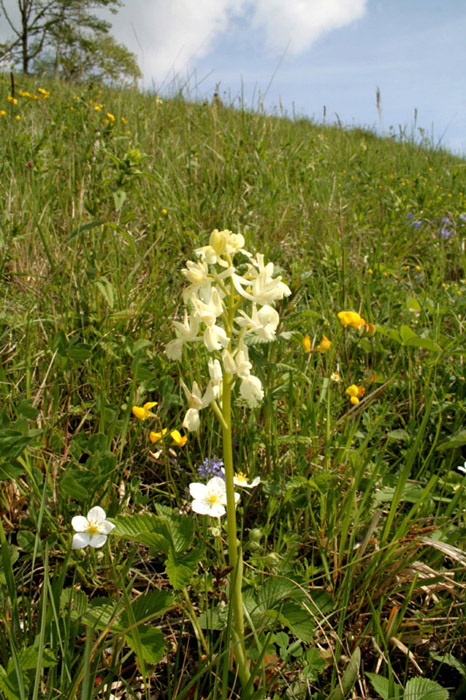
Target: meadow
{"points": [[351, 550]]}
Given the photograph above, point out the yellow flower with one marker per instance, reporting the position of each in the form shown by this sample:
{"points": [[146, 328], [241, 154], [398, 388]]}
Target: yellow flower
{"points": [[2, 113], [351, 318], [17, 117], [352, 390], [178, 439], [124, 121], [306, 344], [110, 117], [335, 377], [44, 93], [164, 212], [355, 393], [324, 344], [155, 437], [13, 100], [369, 330], [143, 412]]}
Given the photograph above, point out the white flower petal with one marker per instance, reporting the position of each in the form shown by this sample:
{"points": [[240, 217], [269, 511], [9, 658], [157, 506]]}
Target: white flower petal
{"points": [[197, 491], [97, 541], [192, 421], [80, 540], [96, 513], [79, 523], [106, 527]]}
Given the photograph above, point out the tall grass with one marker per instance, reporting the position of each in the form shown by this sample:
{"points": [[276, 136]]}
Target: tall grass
{"points": [[353, 543]]}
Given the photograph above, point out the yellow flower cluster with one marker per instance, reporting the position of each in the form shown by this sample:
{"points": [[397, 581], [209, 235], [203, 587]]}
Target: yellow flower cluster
{"points": [[323, 346], [355, 393], [143, 412], [352, 319]]}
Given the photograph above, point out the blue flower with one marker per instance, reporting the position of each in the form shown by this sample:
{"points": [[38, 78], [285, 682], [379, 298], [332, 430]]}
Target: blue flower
{"points": [[211, 467]]}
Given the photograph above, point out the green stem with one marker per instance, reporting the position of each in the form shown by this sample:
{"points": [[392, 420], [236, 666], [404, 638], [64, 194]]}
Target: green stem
{"points": [[234, 559]]}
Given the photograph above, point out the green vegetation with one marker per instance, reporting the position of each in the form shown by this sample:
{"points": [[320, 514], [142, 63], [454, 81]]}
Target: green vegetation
{"points": [[354, 569]]}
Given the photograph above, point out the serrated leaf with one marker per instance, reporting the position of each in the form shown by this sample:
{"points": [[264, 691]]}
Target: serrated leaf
{"points": [[152, 643], [145, 529], [382, 686], [424, 689], [298, 620], [29, 658], [152, 604], [105, 287], [181, 527], [73, 603], [180, 568]]}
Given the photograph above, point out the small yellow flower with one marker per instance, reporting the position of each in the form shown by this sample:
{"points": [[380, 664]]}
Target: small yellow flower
{"points": [[17, 118], [110, 117], [98, 108], [124, 121], [354, 400], [164, 212], [306, 344], [324, 344], [351, 318], [352, 391], [155, 437], [335, 377], [2, 113], [143, 412], [43, 93], [178, 439], [13, 100]]}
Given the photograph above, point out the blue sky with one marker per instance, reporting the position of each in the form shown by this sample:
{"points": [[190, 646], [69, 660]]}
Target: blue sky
{"points": [[307, 54]]}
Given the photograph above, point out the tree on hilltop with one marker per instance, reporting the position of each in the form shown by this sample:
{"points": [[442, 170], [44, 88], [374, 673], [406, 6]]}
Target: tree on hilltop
{"points": [[65, 37]]}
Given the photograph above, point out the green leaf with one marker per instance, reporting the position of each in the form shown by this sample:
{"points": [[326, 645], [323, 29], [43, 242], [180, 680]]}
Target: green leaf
{"points": [[28, 658], [9, 685], [79, 351], [145, 529], [13, 442], [407, 334], [382, 686], [152, 604], [298, 620], [348, 679], [426, 343], [119, 198], [72, 487], [181, 527], [10, 471], [85, 227], [450, 660], [456, 440], [398, 435], [152, 643], [105, 287], [73, 603], [180, 568], [424, 689]]}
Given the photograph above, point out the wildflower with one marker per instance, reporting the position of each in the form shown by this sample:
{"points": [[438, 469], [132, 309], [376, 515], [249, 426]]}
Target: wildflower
{"points": [[13, 100], [124, 121], [43, 93], [355, 393], [211, 467], [369, 330], [2, 113], [351, 318], [110, 117], [335, 377], [462, 468], [446, 232], [241, 479], [324, 344], [18, 118], [91, 530], [251, 390], [306, 344], [155, 437], [211, 498], [143, 412], [178, 439], [164, 212], [196, 402]]}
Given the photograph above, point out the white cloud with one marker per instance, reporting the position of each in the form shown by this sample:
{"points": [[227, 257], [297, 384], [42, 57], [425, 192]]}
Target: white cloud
{"points": [[301, 22], [169, 35]]}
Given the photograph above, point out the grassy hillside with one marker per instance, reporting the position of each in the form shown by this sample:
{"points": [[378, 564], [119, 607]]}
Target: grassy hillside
{"points": [[353, 541]]}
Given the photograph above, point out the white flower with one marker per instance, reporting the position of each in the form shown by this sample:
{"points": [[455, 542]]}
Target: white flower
{"points": [[462, 468], [215, 371], [264, 287], [229, 364], [243, 366], [241, 479], [211, 498], [187, 331], [251, 390], [215, 338], [92, 530], [196, 402], [263, 322], [174, 349]]}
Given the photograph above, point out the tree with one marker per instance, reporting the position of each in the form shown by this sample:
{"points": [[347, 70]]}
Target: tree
{"points": [[62, 25]]}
